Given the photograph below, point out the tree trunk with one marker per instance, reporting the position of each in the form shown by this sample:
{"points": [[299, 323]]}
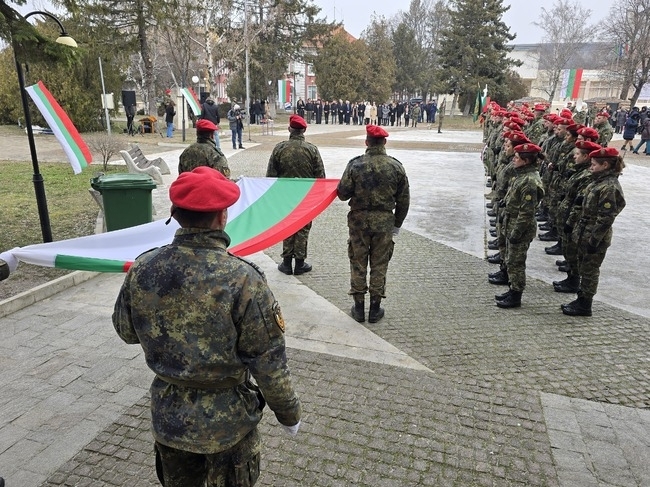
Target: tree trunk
{"points": [[625, 87], [637, 91], [149, 81]]}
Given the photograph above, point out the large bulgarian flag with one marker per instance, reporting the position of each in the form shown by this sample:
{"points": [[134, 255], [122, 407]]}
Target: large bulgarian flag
{"points": [[192, 100], [64, 130], [571, 79], [268, 211]]}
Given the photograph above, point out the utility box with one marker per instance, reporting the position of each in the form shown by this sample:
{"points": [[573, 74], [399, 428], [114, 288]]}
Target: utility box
{"points": [[127, 199]]}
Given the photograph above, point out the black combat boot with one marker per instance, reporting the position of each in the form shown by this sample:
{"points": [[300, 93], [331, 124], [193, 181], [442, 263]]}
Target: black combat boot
{"points": [[489, 204], [560, 262], [550, 236], [554, 249], [499, 278], [493, 222], [375, 313], [301, 267], [564, 268], [493, 244], [495, 258], [569, 285], [493, 232], [2, 482], [579, 307], [545, 227], [513, 300], [285, 266], [358, 310], [542, 217], [491, 212], [501, 297]]}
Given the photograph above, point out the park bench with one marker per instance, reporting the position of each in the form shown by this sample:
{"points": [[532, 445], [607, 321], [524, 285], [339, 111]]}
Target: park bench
{"points": [[151, 170], [142, 162]]}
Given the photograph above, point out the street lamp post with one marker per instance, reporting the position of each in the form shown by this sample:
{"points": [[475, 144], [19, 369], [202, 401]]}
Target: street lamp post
{"points": [[39, 186]]}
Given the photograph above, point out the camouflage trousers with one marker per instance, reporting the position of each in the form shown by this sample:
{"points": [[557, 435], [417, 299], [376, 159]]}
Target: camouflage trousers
{"points": [[516, 264], [238, 466], [376, 249], [570, 252], [296, 245], [589, 269]]}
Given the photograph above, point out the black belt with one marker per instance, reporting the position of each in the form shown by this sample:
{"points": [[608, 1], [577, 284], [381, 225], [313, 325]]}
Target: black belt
{"points": [[227, 383]]}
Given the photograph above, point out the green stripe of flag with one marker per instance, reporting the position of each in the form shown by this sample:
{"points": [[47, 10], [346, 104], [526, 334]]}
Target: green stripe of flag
{"points": [[88, 264]]}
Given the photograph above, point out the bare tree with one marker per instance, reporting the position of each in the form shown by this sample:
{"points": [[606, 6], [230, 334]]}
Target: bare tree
{"points": [[106, 145], [565, 30], [629, 30]]}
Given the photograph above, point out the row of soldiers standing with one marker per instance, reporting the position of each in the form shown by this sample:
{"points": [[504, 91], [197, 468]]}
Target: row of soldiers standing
{"points": [[547, 168]]}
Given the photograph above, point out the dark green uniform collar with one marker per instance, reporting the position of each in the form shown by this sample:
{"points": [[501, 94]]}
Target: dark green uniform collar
{"points": [[202, 237], [376, 150], [527, 168], [297, 136]]}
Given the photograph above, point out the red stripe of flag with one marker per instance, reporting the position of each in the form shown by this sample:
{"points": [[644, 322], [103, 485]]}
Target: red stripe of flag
{"points": [[315, 201], [576, 84]]}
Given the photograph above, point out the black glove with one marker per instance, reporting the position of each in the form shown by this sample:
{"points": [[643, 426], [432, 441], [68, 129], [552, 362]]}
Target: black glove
{"points": [[592, 249], [568, 229], [514, 238], [579, 199]]}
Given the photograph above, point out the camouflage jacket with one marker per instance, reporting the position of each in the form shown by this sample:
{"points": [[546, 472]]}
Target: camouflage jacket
{"points": [[206, 319], [605, 133], [535, 131], [524, 193], [571, 205], [295, 158], [203, 152], [603, 201], [377, 183]]}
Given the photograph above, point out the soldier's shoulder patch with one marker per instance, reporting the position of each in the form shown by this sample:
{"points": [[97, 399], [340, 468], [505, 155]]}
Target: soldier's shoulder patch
{"points": [[143, 254], [607, 205], [528, 197], [277, 315]]}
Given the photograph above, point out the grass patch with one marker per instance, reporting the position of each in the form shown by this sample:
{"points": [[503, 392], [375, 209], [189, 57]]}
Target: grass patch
{"points": [[72, 211]]}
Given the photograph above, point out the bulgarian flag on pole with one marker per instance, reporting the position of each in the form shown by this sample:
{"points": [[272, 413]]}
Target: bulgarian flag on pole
{"points": [[268, 211], [64, 130], [192, 100]]}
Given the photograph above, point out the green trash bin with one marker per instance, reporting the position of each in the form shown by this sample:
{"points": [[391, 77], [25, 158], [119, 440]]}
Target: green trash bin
{"points": [[127, 199]]}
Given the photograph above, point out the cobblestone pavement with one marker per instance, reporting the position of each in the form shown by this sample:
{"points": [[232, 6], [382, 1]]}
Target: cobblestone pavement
{"points": [[502, 398]]}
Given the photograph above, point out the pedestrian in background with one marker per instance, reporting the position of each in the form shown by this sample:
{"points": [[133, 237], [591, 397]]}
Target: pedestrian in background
{"points": [[378, 190], [170, 113], [210, 111], [207, 322], [602, 202], [295, 158], [630, 128], [236, 125], [645, 137]]}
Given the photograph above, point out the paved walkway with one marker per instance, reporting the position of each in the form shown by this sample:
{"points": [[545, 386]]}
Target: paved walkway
{"points": [[446, 390]]}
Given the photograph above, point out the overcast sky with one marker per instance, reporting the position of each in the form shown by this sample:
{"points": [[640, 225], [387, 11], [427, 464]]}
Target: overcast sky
{"points": [[356, 14]]}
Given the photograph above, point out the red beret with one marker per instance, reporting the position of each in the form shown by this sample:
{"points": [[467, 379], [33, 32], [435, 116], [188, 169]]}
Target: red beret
{"points": [[517, 138], [602, 114], [204, 189], [513, 126], [517, 120], [587, 145], [589, 133], [540, 107], [566, 113], [297, 122], [573, 128], [375, 131], [205, 125], [528, 149], [604, 152], [499, 113], [562, 121]]}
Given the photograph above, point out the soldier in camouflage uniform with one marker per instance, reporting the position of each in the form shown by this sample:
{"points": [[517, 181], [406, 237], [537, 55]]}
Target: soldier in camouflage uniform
{"points": [[605, 131], [603, 201], [295, 158], [524, 192], [570, 209], [207, 321], [535, 131], [504, 175], [378, 190], [204, 152]]}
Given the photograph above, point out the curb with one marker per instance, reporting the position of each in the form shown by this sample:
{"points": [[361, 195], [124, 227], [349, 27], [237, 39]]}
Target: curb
{"points": [[44, 291]]}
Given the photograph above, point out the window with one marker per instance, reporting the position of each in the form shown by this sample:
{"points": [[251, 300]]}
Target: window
{"points": [[311, 92]]}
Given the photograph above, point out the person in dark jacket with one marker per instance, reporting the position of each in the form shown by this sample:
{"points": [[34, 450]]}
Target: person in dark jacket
{"points": [[645, 137], [210, 111], [630, 128]]}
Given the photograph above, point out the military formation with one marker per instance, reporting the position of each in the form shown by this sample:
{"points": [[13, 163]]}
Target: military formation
{"points": [[551, 170]]}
